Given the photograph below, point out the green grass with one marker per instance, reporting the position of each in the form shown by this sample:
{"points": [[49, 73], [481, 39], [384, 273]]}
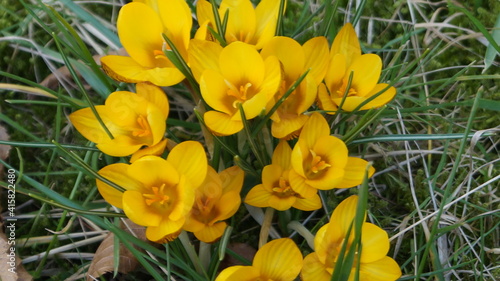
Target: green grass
{"points": [[435, 147]]}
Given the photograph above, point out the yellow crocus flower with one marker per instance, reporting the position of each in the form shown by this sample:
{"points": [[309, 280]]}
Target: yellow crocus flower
{"points": [[296, 60], [375, 265], [243, 78], [140, 27], [278, 260], [247, 24], [159, 193], [134, 120], [217, 199], [321, 161], [346, 58], [275, 190]]}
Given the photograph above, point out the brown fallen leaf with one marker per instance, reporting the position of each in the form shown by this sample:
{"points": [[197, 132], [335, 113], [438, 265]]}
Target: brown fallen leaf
{"points": [[244, 250], [103, 261], [11, 268]]}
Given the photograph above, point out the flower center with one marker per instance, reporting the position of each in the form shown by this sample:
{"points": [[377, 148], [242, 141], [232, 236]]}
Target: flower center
{"points": [[240, 94], [144, 129], [204, 204], [317, 163], [283, 189], [157, 195], [342, 90]]}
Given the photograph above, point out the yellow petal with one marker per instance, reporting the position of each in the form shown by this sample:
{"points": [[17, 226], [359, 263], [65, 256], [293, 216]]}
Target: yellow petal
{"points": [[324, 241], [86, 123], [282, 155], [288, 126], [156, 150], [184, 200], [257, 104], [125, 107], [239, 273], [346, 43], [342, 217], [313, 129], [267, 16], [375, 242], [165, 229], [335, 73], [333, 151], [192, 224], [189, 158], [157, 123], [304, 96], [308, 204], [221, 124], [281, 203], [138, 211], [325, 101], [258, 197], [210, 234], [279, 259], [385, 269], [177, 21], [203, 55], [126, 69], [240, 64], [204, 13], [271, 175], [121, 145], [116, 173], [154, 95], [299, 154], [366, 72], [382, 99], [299, 185], [154, 171], [232, 179], [314, 270], [355, 172], [290, 54], [228, 205], [140, 37], [241, 23], [316, 50], [214, 91]]}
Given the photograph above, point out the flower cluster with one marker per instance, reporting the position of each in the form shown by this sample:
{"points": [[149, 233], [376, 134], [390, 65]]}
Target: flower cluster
{"points": [[263, 90]]}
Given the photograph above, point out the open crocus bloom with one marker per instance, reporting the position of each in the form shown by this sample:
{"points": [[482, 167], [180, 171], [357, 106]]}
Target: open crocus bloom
{"points": [[140, 27], [278, 260], [158, 193], [134, 121], [346, 59], [295, 59], [247, 24], [375, 265], [321, 161], [243, 78], [217, 199], [275, 190]]}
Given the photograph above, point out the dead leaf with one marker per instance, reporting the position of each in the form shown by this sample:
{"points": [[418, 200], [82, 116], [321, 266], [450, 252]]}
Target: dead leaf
{"points": [[11, 268], [244, 250], [103, 261]]}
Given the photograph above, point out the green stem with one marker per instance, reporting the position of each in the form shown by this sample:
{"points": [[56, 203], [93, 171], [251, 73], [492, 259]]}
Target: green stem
{"points": [[256, 151]]}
